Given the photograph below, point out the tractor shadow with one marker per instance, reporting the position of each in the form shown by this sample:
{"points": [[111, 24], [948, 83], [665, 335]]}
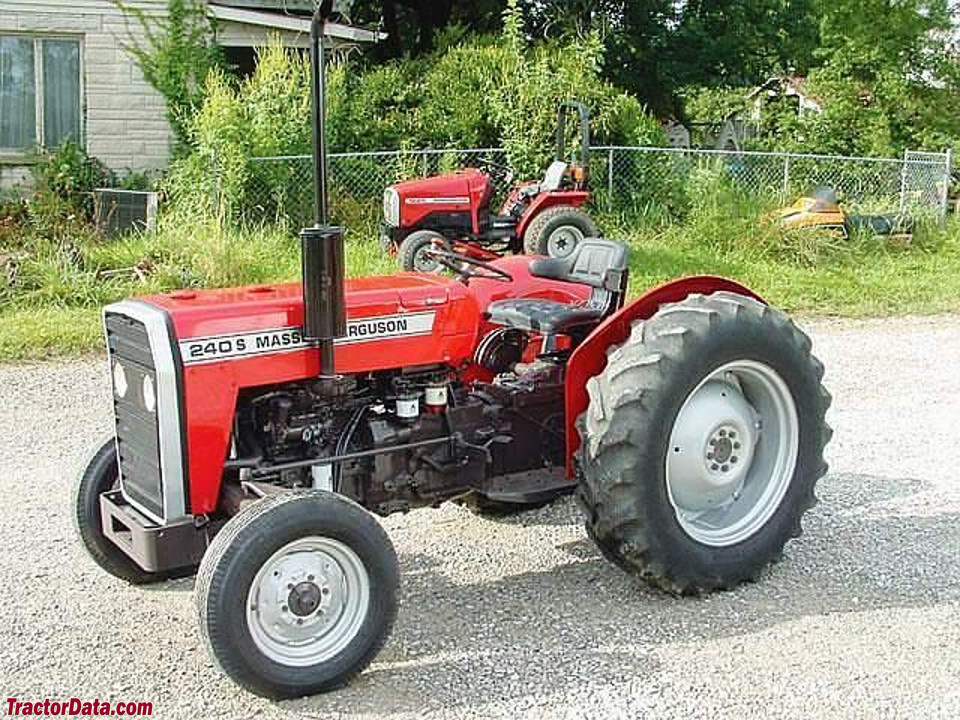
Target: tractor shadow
{"points": [[872, 543]]}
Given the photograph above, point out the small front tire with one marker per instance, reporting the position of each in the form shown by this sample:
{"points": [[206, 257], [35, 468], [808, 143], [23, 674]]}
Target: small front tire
{"points": [[297, 593], [412, 253]]}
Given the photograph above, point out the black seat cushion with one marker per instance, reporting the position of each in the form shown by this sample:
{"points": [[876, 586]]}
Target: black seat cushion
{"points": [[545, 317]]}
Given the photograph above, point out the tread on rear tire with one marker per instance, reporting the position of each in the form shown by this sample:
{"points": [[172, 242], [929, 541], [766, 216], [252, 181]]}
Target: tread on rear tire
{"points": [[627, 429], [536, 238]]}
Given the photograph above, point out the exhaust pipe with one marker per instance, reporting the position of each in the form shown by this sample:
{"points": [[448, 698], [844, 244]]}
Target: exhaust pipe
{"points": [[321, 246]]}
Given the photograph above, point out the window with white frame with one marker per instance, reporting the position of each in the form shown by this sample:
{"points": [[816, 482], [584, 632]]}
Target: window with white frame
{"points": [[40, 92]]}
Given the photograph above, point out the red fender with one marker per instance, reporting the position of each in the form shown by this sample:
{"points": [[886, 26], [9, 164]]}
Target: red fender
{"points": [[590, 357], [541, 202]]}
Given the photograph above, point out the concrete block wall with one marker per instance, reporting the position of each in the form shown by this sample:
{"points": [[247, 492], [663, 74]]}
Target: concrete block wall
{"points": [[124, 117]]}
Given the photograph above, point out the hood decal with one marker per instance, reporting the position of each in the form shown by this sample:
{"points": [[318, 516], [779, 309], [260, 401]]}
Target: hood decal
{"points": [[264, 342]]}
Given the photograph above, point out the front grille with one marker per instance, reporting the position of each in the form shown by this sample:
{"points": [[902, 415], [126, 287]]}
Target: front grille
{"points": [[138, 440]]}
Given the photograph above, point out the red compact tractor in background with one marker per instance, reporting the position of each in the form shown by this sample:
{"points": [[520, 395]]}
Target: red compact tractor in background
{"points": [[260, 431], [453, 210]]}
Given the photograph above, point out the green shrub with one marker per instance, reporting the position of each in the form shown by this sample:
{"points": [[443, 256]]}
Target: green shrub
{"points": [[65, 180], [481, 93]]}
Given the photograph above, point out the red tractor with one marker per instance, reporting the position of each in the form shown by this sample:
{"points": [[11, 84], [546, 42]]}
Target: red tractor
{"points": [[453, 210], [259, 431]]}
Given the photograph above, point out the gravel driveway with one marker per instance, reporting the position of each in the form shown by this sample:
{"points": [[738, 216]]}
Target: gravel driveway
{"points": [[523, 618]]}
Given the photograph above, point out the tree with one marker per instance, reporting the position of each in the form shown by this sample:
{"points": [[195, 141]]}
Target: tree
{"points": [[888, 77], [412, 26]]}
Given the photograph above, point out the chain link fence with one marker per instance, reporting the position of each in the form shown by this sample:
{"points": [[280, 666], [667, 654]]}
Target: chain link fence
{"points": [[646, 180]]}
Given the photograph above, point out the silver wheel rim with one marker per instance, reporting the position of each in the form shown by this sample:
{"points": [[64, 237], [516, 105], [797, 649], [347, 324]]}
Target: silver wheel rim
{"points": [[733, 451], [308, 601], [422, 262], [563, 240]]}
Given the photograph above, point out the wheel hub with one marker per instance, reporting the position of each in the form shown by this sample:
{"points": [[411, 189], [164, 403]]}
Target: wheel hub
{"points": [[308, 601], [423, 261], [711, 446], [563, 240], [732, 451], [304, 599]]}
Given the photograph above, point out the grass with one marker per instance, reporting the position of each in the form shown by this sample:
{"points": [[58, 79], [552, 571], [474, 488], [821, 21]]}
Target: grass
{"points": [[862, 276], [50, 302]]}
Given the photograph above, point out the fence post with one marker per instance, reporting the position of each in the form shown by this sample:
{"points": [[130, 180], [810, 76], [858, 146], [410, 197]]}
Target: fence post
{"points": [[947, 176], [786, 177], [426, 169], [903, 181], [610, 177]]}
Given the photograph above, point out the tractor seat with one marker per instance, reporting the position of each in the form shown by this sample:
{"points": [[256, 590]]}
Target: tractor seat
{"points": [[597, 262]]}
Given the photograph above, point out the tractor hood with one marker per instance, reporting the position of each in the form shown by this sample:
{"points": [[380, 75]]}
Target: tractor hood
{"points": [[393, 321], [459, 194], [456, 188]]}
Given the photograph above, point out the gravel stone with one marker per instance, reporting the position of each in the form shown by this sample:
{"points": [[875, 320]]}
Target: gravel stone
{"points": [[521, 617]]}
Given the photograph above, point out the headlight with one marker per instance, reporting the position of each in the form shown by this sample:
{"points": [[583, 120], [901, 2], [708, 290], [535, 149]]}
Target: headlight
{"points": [[119, 380], [391, 207], [148, 394]]}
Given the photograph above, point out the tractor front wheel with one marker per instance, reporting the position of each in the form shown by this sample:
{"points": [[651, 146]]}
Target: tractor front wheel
{"points": [[297, 593], [557, 231], [413, 251], [702, 443]]}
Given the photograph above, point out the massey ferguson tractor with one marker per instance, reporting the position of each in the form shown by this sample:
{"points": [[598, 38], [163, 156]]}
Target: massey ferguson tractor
{"points": [[453, 210], [260, 431]]}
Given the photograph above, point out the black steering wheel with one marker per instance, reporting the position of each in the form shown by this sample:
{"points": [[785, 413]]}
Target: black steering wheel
{"points": [[498, 172], [465, 266]]}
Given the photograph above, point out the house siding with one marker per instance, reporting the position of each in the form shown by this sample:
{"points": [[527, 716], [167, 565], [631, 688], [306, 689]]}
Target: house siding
{"points": [[124, 117]]}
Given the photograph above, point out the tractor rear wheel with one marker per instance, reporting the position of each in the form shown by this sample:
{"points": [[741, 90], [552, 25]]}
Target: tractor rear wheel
{"points": [[297, 593], [702, 443], [557, 230], [412, 251], [102, 474]]}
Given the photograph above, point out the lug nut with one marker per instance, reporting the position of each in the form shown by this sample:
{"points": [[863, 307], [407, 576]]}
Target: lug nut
{"points": [[283, 608], [725, 468]]}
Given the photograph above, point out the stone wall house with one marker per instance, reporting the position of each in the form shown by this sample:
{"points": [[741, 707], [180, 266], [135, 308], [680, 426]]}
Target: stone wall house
{"points": [[64, 73]]}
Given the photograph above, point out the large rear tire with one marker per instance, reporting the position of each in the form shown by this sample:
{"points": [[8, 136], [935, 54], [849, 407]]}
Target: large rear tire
{"points": [[702, 443], [556, 231], [102, 474], [297, 593]]}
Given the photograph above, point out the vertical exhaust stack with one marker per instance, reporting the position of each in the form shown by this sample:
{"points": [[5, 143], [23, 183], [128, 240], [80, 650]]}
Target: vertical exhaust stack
{"points": [[321, 246]]}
